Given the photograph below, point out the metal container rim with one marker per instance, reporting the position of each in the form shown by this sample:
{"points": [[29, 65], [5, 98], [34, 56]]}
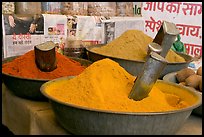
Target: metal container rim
{"points": [[88, 48], [195, 93], [32, 79]]}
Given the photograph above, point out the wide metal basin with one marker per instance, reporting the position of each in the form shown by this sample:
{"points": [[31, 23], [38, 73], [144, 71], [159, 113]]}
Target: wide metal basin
{"points": [[134, 67], [27, 87], [87, 121]]}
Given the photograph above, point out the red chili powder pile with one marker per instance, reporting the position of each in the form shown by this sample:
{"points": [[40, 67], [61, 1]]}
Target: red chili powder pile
{"points": [[24, 66]]}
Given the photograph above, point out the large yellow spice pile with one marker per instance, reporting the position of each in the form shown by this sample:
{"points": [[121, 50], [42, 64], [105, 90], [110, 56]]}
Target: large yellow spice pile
{"points": [[105, 85], [133, 45]]}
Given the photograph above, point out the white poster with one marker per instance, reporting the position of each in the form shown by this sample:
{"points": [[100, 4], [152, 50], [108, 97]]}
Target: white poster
{"points": [[187, 16], [89, 29], [22, 32], [55, 29], [123, 24]]}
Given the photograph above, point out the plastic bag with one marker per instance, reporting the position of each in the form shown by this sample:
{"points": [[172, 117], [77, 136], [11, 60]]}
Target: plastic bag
{"points": [[28, 7], [124, 9], [8, 8], [107, 9], [74, 8], [51, 7]]}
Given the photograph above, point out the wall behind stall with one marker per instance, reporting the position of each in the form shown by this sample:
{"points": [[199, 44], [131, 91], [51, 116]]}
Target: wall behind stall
{"points": [[186, 15], [147, 16]]}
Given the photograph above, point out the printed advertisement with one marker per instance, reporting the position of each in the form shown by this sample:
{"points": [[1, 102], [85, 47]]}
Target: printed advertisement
{"points": [[123, 24], [187, 16], [55, 29], [22, 32], [93, 29], [89, 29]]}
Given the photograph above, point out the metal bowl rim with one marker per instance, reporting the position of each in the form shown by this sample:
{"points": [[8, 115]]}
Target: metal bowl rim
{"points": [[199, 101], [32, 79], [23, 78], [170, 63]]}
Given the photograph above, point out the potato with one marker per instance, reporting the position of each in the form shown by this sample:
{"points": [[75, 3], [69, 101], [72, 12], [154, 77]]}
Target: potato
{"points": [[200, 85], [193, 81], [199, 71], [183, 74]]}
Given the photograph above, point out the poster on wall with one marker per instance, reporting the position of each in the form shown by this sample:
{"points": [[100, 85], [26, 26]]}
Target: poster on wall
{"points": [[89, 29], [187, 16], [55, 29], [22, 32]]}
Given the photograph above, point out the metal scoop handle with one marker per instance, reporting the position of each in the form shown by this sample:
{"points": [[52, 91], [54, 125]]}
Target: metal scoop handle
{"points": [[145, 81], [45, 56], [166, 37]]}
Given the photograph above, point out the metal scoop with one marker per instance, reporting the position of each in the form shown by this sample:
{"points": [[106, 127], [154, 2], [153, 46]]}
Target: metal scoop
{"points": [[145, 81], [166, 36], [45, 56], [154, 47], [155, 63]]}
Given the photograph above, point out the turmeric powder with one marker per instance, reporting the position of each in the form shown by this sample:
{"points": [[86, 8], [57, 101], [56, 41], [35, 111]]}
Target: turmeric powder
{"points": [[133, 45], [105, 85]]}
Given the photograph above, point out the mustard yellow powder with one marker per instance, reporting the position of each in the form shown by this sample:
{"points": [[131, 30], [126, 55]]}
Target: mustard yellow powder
{"points": [[133, 45], [105, 85]]}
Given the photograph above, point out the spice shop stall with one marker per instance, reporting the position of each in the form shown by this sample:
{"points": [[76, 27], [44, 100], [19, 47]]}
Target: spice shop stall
{"points": [[99, 51]]}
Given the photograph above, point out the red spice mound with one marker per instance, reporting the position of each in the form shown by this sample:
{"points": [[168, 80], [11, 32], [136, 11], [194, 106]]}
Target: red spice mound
{"points": [[24, 66]]}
